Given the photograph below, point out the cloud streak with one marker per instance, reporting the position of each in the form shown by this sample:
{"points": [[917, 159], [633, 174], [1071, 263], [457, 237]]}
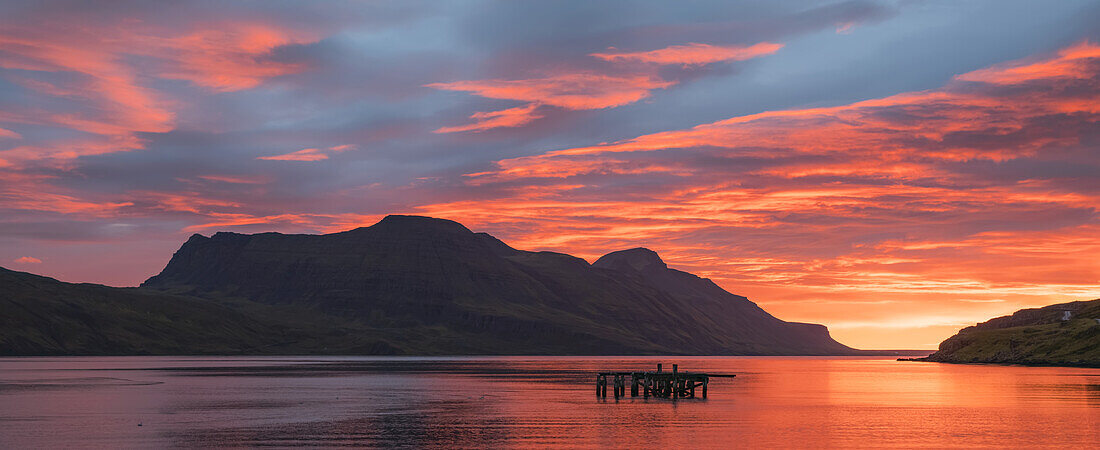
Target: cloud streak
{"points": [[126, 127], [906, 197], [308, 154], [110, 99], [692, 54], [607, 87]]}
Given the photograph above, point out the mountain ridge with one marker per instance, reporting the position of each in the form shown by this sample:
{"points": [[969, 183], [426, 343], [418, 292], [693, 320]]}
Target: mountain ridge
{"points": [[429, 271], [421, 285]]}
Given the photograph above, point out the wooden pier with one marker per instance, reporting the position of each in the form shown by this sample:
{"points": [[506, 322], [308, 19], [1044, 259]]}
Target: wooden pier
{"points": [[660, 384]]}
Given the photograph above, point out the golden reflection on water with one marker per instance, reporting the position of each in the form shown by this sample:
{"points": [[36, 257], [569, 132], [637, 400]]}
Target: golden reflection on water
{"points": [[528, 402]]}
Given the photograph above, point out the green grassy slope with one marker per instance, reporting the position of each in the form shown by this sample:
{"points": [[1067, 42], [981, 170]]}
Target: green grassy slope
{"points": [[1032, 336]]}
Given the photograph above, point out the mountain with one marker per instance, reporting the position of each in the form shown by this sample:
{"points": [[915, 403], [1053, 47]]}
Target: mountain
{"points": [[1066, 334], [406, 285], [411, 272], [43, 316]]}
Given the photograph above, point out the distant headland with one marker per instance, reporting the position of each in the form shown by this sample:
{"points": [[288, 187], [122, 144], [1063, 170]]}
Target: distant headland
{"points": [[1066, 334]]}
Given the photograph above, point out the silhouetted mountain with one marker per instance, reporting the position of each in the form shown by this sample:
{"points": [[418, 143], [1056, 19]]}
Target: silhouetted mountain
{"points": [[1066, 334], [454, 291], [732, 316], [43, 316]]}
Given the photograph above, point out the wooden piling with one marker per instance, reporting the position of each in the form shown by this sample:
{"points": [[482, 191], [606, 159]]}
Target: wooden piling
{"points": [[660, 384]]}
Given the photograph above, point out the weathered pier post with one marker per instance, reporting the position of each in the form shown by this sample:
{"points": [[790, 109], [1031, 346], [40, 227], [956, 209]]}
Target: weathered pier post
{"points": [[676, 384], [660, 384]]}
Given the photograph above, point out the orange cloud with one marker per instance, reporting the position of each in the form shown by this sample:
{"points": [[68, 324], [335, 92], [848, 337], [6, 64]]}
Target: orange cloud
{"points": [[1071, 63], [223, 220], [512, 117], [230, 57], [309, 154], [124, 106], [575, 91], [863, 216], [27, 260], [36, 196], [885, 131], [305, 154], [692, 54], [323, 223], [236, 179], [191, 202], [587, 90], [118, 102]]}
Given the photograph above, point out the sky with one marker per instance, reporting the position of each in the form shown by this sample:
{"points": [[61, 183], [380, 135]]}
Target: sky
{"points": [[895, 170]]}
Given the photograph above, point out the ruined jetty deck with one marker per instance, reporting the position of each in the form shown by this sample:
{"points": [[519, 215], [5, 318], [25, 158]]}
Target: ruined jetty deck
{"points": [[660, 384]]}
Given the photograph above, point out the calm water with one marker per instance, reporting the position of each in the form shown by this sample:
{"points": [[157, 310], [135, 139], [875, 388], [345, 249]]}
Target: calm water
{"points": [[528, 401]]}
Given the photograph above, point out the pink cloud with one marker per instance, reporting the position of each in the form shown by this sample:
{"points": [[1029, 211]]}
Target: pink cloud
{"points": [[587, 90], [692, 54], [1070, 64], [851, 215], [33, 194], [512, 117], [306, 154], [871, 128], [309, 154], [27, 260], [230, 57], [575, 91], [237, 179], [113, 88]]}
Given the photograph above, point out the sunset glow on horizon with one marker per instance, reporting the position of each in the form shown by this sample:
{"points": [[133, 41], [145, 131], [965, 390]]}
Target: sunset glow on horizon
{"points": [[892, 170]]}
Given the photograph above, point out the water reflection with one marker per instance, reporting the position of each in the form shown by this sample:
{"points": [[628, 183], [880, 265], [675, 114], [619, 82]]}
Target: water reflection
{"points": [[517, 401]]}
